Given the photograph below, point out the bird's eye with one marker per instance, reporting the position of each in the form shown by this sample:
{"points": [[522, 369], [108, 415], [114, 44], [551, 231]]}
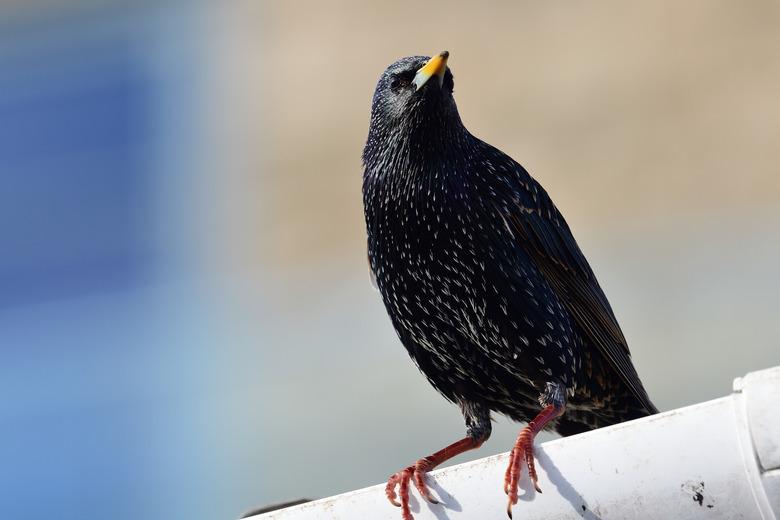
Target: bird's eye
{"points": [[401, 81]]}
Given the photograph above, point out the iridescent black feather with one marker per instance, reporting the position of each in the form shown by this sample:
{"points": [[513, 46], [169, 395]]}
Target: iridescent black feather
{"points": [[479, 272]]}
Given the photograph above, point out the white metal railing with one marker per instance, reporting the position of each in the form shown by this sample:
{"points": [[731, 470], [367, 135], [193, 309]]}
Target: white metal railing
{"points": [[716, 460]]}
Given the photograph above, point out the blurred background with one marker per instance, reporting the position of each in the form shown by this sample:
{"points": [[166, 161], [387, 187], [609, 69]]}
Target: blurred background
{"points": [[187, 328]]}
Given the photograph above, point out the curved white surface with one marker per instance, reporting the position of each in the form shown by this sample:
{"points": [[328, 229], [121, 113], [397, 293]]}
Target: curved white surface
{"points": [[716, 460]]}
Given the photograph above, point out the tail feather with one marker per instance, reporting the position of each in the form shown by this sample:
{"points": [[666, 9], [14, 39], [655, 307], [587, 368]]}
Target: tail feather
{"points": [[579, 420]]}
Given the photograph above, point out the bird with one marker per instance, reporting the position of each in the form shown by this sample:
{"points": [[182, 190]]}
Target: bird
{"points": [[483, 281]]}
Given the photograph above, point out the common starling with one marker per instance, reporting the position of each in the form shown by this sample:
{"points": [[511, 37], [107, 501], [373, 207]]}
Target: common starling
{"points": [[483, 280]]}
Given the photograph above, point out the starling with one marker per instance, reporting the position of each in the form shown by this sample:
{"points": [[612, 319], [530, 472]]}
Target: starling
{"points": [[483, 280]]}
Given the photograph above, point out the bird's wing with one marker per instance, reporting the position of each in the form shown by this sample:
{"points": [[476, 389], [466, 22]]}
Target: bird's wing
{"points": [[537, 224]]}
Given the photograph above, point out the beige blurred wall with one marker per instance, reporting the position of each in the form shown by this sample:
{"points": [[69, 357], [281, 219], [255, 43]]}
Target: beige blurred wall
{"points": [[629, 113], [652, 125]]}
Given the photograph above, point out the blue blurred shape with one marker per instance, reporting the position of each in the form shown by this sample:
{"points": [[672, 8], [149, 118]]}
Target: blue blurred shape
{"points": [[74, 164], [106, 341]]}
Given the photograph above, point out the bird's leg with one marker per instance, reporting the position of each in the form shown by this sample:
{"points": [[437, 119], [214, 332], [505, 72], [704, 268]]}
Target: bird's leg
{"points": [[523, 449], [416, 473], [479, 427]]}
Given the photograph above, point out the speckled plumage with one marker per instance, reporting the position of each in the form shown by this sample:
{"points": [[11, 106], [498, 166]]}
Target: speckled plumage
{"points": [[480, 274]]}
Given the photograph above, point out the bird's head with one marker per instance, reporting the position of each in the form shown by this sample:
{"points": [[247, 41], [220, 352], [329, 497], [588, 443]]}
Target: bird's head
{"points": [[413, 102]]}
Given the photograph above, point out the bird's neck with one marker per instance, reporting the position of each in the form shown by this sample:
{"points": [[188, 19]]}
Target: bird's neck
{"points": [[414, 149]]}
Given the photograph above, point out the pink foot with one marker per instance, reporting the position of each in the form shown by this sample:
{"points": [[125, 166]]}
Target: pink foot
{"points": [[415, 473], [523, 450]]}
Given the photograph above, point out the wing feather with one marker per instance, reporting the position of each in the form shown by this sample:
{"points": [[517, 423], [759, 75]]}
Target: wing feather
{"points": [[548, 239]]}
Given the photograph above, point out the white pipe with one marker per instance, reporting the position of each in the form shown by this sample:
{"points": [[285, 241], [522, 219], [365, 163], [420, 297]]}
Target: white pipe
{"points": [[716, 460]]}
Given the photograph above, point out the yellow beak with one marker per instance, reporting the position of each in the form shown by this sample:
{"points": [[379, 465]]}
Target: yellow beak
{"points": [[436, 66]]}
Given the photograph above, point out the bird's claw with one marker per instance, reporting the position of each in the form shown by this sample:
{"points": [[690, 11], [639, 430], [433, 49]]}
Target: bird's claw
{"points": [[416, 474], [523, 450]]}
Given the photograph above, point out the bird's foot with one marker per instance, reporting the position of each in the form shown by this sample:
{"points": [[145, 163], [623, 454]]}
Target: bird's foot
{"points": [[415, 473], [523, 450]]}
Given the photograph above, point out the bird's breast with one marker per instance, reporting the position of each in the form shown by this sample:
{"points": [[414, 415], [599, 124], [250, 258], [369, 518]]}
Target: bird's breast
{"points": [[429, 265]]}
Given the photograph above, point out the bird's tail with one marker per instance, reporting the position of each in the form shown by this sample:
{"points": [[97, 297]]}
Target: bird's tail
{"points": [[621, 409]]}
